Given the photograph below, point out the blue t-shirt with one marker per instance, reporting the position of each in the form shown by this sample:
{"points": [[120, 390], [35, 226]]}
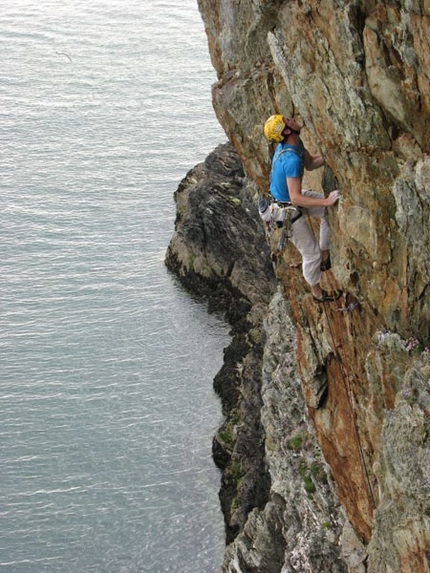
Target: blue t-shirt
{"points": [[288, 161]]}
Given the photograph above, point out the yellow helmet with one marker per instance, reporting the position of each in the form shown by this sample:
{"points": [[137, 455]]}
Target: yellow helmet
{"points": [[274, 127]]}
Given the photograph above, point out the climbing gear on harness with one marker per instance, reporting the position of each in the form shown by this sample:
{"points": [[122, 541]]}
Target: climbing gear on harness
{"points": [[263, 206], [274, 127], [329, 295], [325, 265], [281, 215], [271, 213], [292, 214]]}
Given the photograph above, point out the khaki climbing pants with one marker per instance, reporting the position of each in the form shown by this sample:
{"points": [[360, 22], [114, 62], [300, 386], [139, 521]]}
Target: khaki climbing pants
{"points": [[305, 241]]}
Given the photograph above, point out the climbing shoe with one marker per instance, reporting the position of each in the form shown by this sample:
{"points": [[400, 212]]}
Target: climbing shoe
{"points": [[329, 295], [325, 265]]}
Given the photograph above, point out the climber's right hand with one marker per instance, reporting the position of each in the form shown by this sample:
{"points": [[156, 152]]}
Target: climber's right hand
{"points": [[333, 197]]}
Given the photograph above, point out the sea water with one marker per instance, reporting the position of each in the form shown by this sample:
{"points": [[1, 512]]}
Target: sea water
{"points": [[107, 410]]}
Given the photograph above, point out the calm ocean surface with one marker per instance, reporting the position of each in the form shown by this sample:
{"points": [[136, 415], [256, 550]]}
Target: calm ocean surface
{"points": [[107, 410]]}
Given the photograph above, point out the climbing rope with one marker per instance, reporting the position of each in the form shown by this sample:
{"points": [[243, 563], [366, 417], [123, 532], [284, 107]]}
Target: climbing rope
{"points": [[346, 376]]}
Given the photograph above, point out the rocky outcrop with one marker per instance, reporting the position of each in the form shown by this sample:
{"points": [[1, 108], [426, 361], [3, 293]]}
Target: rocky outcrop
{"points": [[357, 75], [219, 252], [300, 526]]}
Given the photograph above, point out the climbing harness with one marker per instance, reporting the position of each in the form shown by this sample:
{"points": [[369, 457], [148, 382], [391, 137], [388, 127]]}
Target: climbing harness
{"points": [[278, 214], [292, 214]]}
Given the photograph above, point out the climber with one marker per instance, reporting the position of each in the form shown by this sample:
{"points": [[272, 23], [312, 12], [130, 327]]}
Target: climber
{"points": [[288, 163]]}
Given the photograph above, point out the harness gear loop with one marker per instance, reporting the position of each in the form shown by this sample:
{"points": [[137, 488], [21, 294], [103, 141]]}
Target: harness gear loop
{"points": [[279, 214], [292, 214]]}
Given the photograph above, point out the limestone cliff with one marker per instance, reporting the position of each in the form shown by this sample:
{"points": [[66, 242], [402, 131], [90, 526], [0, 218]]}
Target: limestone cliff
{"points": [[357, 75]]}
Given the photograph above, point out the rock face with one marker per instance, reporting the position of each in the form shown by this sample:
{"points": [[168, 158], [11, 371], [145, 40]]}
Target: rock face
{"points": [[357, 75], [276, 490]]}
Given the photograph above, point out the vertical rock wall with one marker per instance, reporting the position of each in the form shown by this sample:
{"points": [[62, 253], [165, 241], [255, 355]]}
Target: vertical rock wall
{"points": [[357, 74]]}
